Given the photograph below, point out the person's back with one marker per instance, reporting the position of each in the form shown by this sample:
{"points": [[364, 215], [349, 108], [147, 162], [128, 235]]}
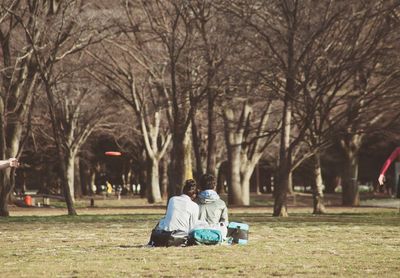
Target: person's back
{"points": [[181, 214], [212, 209], [181, 217]]}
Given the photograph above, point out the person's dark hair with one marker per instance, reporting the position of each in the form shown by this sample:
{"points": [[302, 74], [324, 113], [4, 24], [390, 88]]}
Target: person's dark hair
{"points": [[207, 181], [190, 188]]}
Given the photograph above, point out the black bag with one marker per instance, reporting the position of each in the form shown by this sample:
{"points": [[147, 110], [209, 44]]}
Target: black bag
{"points": [[165, 238], [238, 233]]}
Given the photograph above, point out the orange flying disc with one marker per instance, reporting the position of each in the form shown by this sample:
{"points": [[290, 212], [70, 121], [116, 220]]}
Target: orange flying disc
{"points": [[112, 153]]}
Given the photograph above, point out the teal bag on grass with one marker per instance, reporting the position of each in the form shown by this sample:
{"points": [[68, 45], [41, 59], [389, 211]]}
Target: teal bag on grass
{"points": [[205, 237]]}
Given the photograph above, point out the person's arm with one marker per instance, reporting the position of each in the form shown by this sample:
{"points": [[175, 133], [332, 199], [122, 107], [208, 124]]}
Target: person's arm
{"points": [[194, 217], [386, 165], [166, 220], [11, 162], [224, 215]]}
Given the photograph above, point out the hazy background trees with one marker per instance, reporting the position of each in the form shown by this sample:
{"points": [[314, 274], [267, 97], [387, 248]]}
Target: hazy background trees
{"points": [[221, 80], [312, 52]]}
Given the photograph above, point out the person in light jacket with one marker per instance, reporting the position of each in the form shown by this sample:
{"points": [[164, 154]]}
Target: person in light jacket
{"points": [[180, 218], [212, 209]]}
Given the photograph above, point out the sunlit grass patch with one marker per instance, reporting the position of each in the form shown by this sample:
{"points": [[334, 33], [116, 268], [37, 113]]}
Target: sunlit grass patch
{"points": [[343, 243]]}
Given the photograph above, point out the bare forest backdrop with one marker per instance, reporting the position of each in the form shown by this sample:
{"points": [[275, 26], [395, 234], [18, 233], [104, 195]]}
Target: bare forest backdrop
{"points": [[186, 87]]}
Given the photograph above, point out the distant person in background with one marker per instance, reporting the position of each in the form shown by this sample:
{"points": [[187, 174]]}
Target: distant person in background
{"points": [[11, 162], [386, 165], [212, 209], [109, 188], [94, 189]]}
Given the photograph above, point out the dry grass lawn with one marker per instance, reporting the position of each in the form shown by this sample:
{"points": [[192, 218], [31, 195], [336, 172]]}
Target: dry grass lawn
{"points": [[109, 242]]}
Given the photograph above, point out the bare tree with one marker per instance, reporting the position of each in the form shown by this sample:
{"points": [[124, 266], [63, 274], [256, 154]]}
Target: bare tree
{"points": [[374, 83], [18, 81], [54, 32], [212, 48], [246, 141], [285, 36], [78, 118], [172, 23], [132, 73]]}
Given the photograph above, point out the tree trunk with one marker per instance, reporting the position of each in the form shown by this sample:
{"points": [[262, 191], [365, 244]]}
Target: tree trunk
{"points": [[258, 191], [176, 172], [153, 182], [234, 134], [350, 191], [211, 138], [84, 178], [128, 179], [197, 148], [67, 195], [93, 182], [331, 182], [57, 138], [285, 151], [181, 164], [78, 183], [4, 193], [164, 179], [187, 142], [245, 185], [70, 165], [15, 134], [221, 178], [154, 151], [280, 204], [234, 181], [9, 133], [290, 183], [285, 157], [142, 180], [127, 174], [247, 170], [351, 145], [318, 197]]}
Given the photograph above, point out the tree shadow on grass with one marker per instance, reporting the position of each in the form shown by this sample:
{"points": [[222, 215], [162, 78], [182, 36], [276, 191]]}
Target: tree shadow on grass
{"points": [[328, 219], [87, 218], [305, 219], [134, 246]]}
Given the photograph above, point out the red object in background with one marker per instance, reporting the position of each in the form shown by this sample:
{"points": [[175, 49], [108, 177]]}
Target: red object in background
{"points": [[112, 153], [28, 200]]}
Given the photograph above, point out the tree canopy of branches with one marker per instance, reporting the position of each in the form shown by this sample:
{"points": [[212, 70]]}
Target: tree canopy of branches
{"points": [[307, 75]]}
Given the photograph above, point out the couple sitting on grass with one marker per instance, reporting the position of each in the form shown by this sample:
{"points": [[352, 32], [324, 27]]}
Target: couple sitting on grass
{"points": [[191, 211]]}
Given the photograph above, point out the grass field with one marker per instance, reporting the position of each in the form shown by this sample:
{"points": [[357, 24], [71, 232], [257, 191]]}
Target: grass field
{"points": [[109, 242]]}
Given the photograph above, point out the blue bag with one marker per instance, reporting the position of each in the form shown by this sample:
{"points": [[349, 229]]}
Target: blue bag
{"points": [[205, 237], [238, 233]]}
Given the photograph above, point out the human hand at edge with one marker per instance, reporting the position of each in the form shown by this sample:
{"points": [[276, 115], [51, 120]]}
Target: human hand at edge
{"points": [[13, 162], [381, 179]]}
